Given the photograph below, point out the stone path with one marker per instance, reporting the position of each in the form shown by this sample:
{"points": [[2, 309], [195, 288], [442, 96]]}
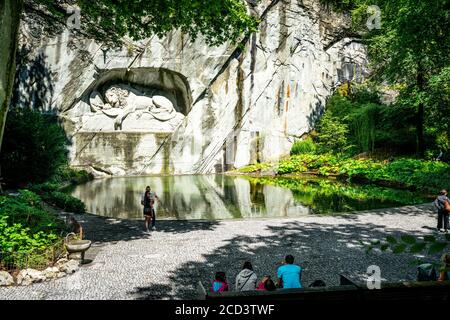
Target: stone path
{"points": [[168, 263]]}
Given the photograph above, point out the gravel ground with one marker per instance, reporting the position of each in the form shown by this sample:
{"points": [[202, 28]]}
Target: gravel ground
{"points": [[168, 263]]}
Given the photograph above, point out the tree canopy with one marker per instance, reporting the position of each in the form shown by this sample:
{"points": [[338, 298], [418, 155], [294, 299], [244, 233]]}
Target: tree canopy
{"points": [[410, 51], [110, 20]]}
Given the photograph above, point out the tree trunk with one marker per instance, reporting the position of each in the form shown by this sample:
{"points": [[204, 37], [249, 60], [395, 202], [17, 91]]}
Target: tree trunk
{"points": [[420, 114], [10, 11]]}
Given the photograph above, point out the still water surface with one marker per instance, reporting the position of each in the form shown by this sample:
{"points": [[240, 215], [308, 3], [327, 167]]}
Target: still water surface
{"points": [[214, 197]]}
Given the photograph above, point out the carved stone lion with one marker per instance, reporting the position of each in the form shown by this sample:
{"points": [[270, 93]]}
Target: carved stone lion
{"points": [[120, 100]]}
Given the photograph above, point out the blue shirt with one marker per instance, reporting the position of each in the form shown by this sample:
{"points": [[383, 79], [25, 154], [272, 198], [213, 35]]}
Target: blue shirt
{"points": [[291, 274]]}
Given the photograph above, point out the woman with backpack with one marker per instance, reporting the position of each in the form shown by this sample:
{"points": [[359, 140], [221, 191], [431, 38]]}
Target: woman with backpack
{"points": [[442, 205]]}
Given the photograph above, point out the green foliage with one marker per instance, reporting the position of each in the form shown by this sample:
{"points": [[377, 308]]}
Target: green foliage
{"points": [[340, 5], [27, 210], [27, 232], [413, 244], [409, 53], [65, 202], [43, 188], [391, 240], [426, 176], [66, 174], [408, 239], [17, 238], [50, 194], [400, 248], [108, 21], [363, 126], [328, 196], [332, 134], [257, 167], [33, 147], [411, 49], [370, 125], [303, 146]]}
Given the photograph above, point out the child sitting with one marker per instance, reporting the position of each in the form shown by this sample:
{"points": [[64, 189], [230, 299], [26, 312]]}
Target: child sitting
{"points": [[220, 283], [267, 284]]}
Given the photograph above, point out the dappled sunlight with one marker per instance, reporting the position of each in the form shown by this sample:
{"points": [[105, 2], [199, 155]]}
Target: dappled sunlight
{"points": [[324, 247]]}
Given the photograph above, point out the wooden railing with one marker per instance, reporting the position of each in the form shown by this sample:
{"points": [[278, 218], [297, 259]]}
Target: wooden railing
{"points": [[349, 289]]}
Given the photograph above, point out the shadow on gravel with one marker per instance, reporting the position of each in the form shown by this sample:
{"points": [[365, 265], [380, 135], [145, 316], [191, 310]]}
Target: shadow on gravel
{"points": [[322, 250], [410, 211], [102, 229]]}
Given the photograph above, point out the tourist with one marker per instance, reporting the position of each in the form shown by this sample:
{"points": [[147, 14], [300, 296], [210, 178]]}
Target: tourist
{"points": [[246, 279], [441, 204], [267, 284], [444, 272], [220, 283], [75, 227], [148, 201], [289, 274]]}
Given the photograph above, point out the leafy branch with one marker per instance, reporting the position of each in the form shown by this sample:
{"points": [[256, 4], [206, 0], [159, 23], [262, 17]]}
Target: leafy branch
{"points": [[407, 243]]}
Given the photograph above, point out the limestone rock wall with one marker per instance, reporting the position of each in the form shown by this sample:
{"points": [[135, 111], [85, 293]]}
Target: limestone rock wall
{"points": [[240, 103]]}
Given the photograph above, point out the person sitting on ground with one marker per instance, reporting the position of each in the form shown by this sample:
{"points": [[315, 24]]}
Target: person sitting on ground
{"points": [[220, 283], [289, 274], [246, 279], [267, 284], [444, 272], [76, 227], [317, 283]]}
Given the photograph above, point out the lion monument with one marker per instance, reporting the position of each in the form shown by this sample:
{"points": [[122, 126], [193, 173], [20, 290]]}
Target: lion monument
{"points": [[120, 100]]}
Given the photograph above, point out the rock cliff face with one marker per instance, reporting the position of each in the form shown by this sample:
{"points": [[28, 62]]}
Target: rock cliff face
{"points": [[234, 105]]}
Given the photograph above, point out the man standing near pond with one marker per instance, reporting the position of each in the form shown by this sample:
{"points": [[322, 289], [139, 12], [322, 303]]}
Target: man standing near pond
{"points": [[148, 201]]}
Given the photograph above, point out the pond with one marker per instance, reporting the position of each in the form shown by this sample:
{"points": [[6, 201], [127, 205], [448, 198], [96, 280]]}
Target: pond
{"points": [[214, 197]]}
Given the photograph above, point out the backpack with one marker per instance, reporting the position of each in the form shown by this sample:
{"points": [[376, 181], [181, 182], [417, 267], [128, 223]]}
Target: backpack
{"points": [[426, 272], [438, 204]]}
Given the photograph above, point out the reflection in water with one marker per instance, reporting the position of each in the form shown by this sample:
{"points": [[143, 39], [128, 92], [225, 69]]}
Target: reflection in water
{"points": [[225, 197]]}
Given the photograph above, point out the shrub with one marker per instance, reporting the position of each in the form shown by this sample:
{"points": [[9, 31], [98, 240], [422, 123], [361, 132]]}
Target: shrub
{"points": [[27, 210], [43, 187], [304, 146], [21, 248], [50, 194], [65, 201], [33, 147], [65, 174], [255, 167], [17, 238], [332, 134], [28, 233]]}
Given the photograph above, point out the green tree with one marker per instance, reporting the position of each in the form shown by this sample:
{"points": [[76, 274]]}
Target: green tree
{"points": [[412, 47], [332, 134], [34, 147], [412, 51], [109, 20]]}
